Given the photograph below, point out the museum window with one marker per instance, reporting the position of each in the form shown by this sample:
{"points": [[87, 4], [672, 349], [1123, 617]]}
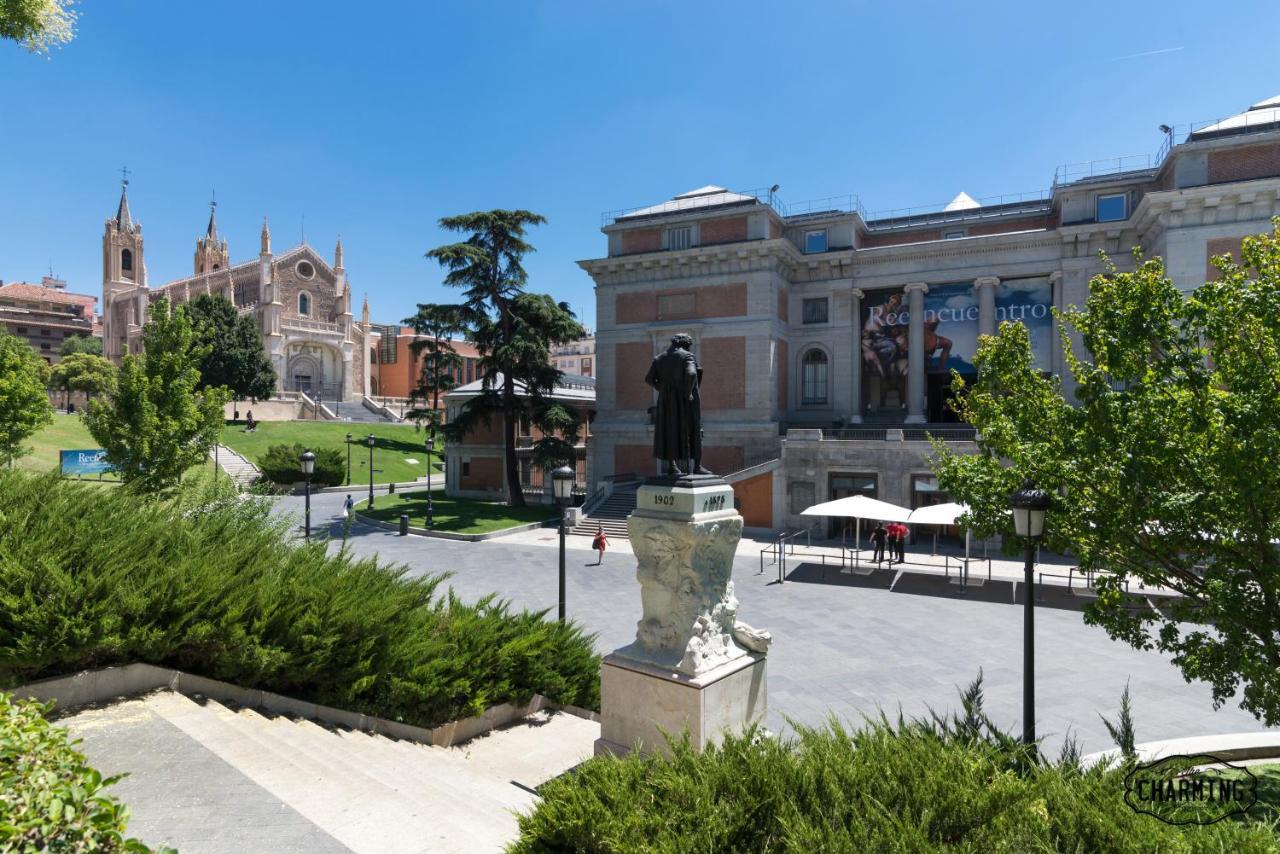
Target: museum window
{"points": [[815, 241], [953, 235], [925, 491], [815, 310], [1113, 207], [680, 238], [126, 261], [466, 468], [814, 378], [586, 367], [304, 304]]}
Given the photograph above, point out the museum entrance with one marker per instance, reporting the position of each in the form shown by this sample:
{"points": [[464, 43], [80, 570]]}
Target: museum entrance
{"points": [[842, 486], [941, 400]]}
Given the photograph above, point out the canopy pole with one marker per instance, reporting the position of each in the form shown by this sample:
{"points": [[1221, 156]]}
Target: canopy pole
{"points": [[857, 539]]}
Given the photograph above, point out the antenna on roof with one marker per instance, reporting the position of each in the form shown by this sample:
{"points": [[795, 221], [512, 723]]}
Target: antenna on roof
{"points": [[304, 228], [124, 176]]}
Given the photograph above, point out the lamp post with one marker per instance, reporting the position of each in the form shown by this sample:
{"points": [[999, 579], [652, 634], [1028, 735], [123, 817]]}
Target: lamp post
{"points": [[308, 461], [348, 459], [562, 478], [370, 442], [431, 447], [1029, 505]]}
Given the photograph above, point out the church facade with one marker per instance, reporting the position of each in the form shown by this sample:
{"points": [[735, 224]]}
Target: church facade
{"points": [[300, 302]]}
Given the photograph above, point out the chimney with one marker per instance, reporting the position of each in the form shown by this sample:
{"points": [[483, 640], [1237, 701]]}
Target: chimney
{"points": [[51, 282]]}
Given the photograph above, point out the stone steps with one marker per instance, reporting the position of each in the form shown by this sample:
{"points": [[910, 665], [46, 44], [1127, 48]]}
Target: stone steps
{"points": [[370, 792], [611, 515], [240, 470]]}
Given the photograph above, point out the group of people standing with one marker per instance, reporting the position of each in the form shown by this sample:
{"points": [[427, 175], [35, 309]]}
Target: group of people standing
{"points": [[892, 537]]}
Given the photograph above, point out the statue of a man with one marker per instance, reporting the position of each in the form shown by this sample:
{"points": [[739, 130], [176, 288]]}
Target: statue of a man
{"points": [[677, 434]]}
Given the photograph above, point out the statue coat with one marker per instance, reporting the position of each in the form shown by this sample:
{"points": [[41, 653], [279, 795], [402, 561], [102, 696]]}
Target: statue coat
{"points": [[677, 433]]}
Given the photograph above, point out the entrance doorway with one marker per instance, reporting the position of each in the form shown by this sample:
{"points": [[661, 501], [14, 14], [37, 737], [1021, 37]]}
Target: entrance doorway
{"points": [[941, 400], [842, 486], [302, 382]]}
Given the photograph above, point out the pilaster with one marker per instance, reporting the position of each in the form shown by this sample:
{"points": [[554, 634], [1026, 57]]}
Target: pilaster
{"points": [[915, 352], [986, 288], [855, 369]]}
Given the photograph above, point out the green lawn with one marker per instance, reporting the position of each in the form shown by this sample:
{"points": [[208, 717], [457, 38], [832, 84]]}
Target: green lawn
{"points": [[396, 444], [66, 433], [459, 515]]}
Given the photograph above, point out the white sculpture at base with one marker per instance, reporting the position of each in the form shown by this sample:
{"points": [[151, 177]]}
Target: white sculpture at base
{"points": [[685, 535]]}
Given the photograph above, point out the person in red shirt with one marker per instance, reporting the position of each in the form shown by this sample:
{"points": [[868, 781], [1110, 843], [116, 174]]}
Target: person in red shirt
{"points": [[892, 530], [903, 533], [600, 543]]}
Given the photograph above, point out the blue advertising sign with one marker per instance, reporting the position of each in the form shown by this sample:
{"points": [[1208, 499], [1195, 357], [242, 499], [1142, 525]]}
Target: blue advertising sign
{"points": [[92, 461]]}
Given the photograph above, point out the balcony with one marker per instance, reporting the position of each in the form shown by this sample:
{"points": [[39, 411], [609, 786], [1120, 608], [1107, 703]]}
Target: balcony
{"points": [[909, 433], [305, 325]]}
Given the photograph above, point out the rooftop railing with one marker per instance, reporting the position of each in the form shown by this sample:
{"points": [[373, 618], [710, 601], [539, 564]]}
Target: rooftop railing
{"points": [[848, 203], [988, 206]]}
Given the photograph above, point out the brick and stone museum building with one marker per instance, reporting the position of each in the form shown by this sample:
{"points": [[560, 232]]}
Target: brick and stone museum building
{"points": [[828, 334], [301, 302], [47, 314]]}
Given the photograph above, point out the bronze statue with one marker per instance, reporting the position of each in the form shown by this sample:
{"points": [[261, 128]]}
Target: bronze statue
{"points": [[677, 433]]}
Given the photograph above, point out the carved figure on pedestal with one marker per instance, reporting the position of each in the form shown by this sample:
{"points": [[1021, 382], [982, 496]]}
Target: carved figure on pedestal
{"points": [[677, 431]]}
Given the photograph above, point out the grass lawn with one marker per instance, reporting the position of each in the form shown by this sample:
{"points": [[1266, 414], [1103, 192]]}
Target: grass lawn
{"points": [[396, 445], [66, 433], [459, 515]]}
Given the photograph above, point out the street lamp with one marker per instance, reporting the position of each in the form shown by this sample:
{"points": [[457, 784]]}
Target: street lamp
{"points": [[370, 442], [348, 459], [431, 447], [562, 478], [1029, 505], [308, 461]]}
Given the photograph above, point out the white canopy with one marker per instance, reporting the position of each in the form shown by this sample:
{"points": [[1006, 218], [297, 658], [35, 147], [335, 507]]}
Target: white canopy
{"points": [[938, 514], [860, 507]]}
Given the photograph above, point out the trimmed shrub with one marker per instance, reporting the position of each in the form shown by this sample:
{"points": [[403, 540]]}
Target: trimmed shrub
{"points": [[50, 800], [92, 577], [281, 464]]}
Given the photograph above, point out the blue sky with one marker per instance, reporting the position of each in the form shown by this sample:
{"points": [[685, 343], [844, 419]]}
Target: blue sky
{"points": [[374, 127]]}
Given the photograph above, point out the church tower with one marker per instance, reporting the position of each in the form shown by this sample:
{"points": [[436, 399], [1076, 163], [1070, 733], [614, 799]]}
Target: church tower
{"points": [[124, 279], [211, 251]]}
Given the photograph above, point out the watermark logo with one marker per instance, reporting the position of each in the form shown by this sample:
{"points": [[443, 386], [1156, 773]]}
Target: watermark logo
{"points": [[1198, 789]]}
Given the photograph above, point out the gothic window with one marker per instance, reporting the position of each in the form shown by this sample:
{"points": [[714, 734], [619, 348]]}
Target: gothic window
{"points": [[126, 261], [304, 304], [814, 377]]}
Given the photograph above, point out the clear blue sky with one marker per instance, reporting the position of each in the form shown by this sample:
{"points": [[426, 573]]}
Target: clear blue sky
{"points": [[373, 120]]}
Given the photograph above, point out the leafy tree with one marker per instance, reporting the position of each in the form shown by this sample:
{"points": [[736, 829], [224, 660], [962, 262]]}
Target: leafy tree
{"points": [[24, 403], [1165, 473], [38, 25], [159, 423], [281, 464], [91, 344], [235, 358], [92, 375], [511, 329], [436, 325]]}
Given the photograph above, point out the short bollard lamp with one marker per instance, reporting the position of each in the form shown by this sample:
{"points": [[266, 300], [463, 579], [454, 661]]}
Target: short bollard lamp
{"points": [[562, 482], [370, 442], [1029, 505], [308, 461], [431, 449]]}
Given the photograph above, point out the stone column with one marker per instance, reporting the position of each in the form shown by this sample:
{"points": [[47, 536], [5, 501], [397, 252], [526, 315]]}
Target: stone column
{"points": [[855, 372], [986, 288], [915, 352], [1057, 364]]}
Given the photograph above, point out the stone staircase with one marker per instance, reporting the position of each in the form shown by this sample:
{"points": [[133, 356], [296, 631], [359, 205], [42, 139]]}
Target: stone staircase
{"points": [[345, 787], [240, 470], [611, 514], [355, 412]]}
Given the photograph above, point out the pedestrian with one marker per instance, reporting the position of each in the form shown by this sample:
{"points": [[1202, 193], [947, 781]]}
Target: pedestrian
{"points": [[347, 507], [891, 530], [878, 535], [600, 543], [903, 533], [249, 424]]}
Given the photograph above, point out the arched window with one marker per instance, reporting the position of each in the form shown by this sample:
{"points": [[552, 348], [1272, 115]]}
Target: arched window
{"points": [[126, 260], [304, 304], [814, 377]]}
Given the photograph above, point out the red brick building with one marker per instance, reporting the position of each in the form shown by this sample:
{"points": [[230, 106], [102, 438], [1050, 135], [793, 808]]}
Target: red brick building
{"points": [[47, 314]]}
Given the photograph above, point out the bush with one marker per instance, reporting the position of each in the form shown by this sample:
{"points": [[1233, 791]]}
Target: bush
{"points": [[936, 785], [50, 800], [90, 578], [281, 464]]}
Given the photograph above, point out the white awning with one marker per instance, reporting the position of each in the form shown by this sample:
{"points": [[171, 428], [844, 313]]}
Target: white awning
{"points": [[938, 514], [860, 507]]}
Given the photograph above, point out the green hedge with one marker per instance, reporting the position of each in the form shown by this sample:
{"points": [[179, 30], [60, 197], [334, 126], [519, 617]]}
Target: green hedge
{"points": [[905, 787], [50, 800], [218, 587], [282, 464]]}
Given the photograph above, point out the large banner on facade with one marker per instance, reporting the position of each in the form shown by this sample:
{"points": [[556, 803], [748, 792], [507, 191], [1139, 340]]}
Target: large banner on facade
{"points": [[93, 461], [1028, 301], [884, 334], [950, 328]]}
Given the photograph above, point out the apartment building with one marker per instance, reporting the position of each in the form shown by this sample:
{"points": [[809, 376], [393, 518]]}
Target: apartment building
{"points": [[47, 314]]}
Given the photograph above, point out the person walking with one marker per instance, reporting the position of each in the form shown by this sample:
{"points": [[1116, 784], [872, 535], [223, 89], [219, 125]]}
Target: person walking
{"points": [[347, 507], [249, 424], [600, 542], [878, 535], [903, 533]]}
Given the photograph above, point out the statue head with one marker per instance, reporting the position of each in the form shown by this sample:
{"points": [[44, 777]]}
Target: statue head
{"points": [[682, 341]]}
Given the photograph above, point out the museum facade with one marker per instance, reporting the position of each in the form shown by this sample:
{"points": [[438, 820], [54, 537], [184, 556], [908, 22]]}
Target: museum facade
{"points": [[828, 335]]}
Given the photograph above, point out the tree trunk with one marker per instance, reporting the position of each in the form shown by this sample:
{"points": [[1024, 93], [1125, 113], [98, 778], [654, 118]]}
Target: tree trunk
{"points": [[510, 417]]}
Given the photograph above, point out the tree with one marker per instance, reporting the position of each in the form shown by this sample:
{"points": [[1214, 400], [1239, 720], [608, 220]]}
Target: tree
{"points": [[511, 329], [436, 326], [82, 372], [91, 344], [235, 358], [159, 423], [1165, 473], [24, 403], [38, 25]]}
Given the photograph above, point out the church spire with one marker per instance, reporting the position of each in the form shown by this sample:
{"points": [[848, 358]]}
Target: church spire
{"points": [[266, 236], [211, 233], [124, 220], [337, 254], [364, 314]]}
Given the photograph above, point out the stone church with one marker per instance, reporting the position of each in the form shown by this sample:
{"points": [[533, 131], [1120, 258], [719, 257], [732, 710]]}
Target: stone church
{"points": [[301, 303]]}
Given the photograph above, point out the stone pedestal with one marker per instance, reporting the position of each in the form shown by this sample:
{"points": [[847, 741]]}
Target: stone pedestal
{"points": [[693, 666]]}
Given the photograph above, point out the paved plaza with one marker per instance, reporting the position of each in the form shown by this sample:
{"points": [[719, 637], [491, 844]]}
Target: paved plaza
{"points": [[846, 645]]}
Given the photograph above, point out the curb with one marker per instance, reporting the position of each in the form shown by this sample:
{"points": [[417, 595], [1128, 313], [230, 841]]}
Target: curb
{"points": [[450, 535]]}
